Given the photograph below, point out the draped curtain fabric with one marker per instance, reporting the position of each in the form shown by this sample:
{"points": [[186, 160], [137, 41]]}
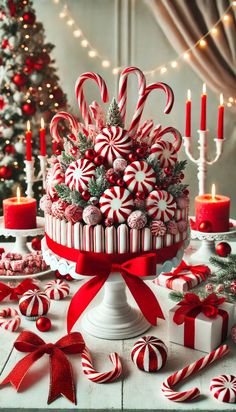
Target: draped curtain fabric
{"points": [[185, 21]]}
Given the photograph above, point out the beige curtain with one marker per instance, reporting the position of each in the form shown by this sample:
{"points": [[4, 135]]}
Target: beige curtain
{"points": [[185, 21]]}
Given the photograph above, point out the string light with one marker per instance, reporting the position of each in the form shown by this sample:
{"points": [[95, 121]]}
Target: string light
{"points": [[84, 43], [174, 64], [202, 43]]}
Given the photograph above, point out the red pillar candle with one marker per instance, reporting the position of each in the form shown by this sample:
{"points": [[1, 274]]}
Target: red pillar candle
{"points": [[188, 115], [19, 212], [214, 210], [203, 107], [42, 137], [28, 137], [221, 108]]}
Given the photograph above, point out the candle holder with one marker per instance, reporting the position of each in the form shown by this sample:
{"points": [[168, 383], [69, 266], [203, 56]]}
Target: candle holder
{"points": [[30, 177], [202, 162]]}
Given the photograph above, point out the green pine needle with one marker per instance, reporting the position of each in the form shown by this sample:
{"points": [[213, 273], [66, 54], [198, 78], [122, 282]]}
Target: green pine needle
{"points": [[113, 115]]}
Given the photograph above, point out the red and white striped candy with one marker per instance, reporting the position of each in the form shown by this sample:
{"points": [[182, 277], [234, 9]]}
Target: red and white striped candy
{"points": [[149, 354], [165, 153], [161, 205], [101, 377], [79, 173], [223, 388], [73, 124], [116, 203], [139, 176], [142, 100], [9, 319], [55, 176], [145, 129], [113, 142], [57, 289], [175, 133], [34, 303], [80, 93], [122, 97], [189, 370]]}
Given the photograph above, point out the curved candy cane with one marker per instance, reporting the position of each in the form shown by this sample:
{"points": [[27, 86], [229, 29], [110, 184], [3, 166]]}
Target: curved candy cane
{"points": [[175, 133], [145, 129], [188, 371], [154, 134], [122, 97], [74, 127], [105, 377], [80, 93], [142, 100]]}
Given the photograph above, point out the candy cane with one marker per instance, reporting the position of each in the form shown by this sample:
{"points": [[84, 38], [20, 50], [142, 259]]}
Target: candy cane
{"points": [[154, 134], [175, 133], [93, 375], [80, 93], [142, 100], [122, 98], [188, 371], [74, 127], [97, 114], [145, 129]]}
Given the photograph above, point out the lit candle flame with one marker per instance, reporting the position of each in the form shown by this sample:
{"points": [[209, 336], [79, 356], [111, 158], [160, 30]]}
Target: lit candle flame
{"points": [[28, 125], [213, 192], [18, 194], [204, 88], [221, 99], [189, 94], [42, 123]]}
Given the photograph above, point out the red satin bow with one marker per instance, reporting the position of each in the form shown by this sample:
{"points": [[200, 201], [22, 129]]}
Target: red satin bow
{"points": [[61, 379], [100, 266], [201, 270], [15, 293]]}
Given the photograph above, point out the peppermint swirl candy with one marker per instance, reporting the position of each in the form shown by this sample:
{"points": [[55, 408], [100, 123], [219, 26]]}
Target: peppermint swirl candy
{"points": [[161, 205], [54, 177], [9, 319], [34, 303], [223, 388], [165, 152], [116, 203], [149, 354], [79, 173], [57, 289], [113, 142], [139, 176]]}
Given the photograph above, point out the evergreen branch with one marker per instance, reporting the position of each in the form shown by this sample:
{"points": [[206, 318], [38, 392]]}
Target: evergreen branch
{"points": [[113, 115], [179, 167], [70, 196], [155, 164], [177, 189], [176, 296], [84, 143], [96, 187]]}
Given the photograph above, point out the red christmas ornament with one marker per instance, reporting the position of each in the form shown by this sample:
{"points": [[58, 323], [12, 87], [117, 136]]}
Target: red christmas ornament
{"points": [[39, 64], [58, 94], [20, 79], [29, 108], [45, 58], [98, 160], [141, 151], [120, 182], [29, 61], [5, 43], [89, 154], [43, 324], [112, 179], [57, 152], [85, 195], [140, 195], [69, 277], [204, 226], [27, 70], [5, 172], [29, 17], [9, 149], [167, 171], [36, 243], [223, 249], [132, 157]]}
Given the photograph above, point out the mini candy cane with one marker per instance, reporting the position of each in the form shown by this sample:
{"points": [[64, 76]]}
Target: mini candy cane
{"points": [[80, 93], [98, 115], [122, 98], [9, 319], [145, 129], [175, 133], [188, 371], [103, 377], [54, 125], [142, 100]]}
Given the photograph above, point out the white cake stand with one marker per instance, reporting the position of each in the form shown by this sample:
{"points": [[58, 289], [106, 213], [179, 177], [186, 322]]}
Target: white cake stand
{"points": [[113, 318], [207, 248]]}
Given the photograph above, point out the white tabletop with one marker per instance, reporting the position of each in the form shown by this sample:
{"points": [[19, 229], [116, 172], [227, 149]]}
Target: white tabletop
{"points": [[135, 390]]}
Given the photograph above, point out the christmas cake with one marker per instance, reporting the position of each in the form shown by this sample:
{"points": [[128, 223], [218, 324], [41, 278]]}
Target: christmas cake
{"points": [[116, 188]]}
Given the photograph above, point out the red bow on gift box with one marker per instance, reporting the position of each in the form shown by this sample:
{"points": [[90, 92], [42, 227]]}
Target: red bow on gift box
{"points": [[199, 270], [61, 379], [15, 293]]}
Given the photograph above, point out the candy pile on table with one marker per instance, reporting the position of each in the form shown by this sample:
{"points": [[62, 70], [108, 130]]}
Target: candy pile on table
{"points": [[12, 264]]}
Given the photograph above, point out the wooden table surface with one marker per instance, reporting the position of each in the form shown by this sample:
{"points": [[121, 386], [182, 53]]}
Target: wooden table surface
{"points": [[134, 391]]}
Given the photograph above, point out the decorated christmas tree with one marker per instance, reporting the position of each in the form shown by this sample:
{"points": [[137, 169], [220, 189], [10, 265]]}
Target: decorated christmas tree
{"points": [[29, 88]]}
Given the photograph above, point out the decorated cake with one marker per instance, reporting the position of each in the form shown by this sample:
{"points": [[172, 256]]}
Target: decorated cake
{"points": [[116, 187]]}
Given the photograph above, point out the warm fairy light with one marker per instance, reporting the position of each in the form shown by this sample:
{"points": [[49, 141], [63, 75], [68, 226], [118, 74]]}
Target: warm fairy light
{"points": [[41, 103], [231, 99], [213, 192], [26, 36], [229, 104], [62, 15], [234, 3], [226, 17], [163, 70], [115, 70], [42, 123], [204, 88], [106, 63], [84, 43], [174, 64], [77, 33], [51, 96], [202, 43], [48, 85], [18, 194], [221, 99], [189, 95], [186, 56], [214, 31], [28, 125], [92, 53], [70, 22]]}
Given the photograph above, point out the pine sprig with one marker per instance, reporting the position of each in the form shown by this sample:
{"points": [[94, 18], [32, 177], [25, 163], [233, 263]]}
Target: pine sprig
{"points": [[177, 190], [155, 164], [66, 159], [225, 267], [97, 186], [176, 296], [69, 196], [179, 167], [84, 143], [113, 115]]}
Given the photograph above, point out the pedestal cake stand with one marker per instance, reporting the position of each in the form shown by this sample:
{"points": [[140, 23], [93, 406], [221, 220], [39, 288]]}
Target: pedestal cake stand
{"points": [[113, 318]]}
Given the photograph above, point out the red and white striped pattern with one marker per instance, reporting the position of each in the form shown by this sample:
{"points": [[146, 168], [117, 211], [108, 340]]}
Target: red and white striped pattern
{"points": [[122, 239], [175, 133], [55, 176], [165, 153], [73, 125], [9, 319], [101, 377], [139, 176], [79, 92], [223, 388], [79, 173], [34, 303], [145, 129], [149, 354], [113, 142], [122, 97], [116, 203], [142, 100], [189, 370], [57, 289], [161, 205]]}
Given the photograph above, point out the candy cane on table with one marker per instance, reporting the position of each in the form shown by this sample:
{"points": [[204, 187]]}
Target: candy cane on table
{"points": [[74, 127], [104, 377], [188, 371], [80, 93], [142, 100], [122, 97], [175, 133]]}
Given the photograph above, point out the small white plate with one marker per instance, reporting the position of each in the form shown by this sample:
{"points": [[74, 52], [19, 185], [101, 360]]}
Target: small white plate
{"points": [[28, 276]]}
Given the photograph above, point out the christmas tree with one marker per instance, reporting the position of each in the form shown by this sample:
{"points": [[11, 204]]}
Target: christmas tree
{"points": [[29, 88]]}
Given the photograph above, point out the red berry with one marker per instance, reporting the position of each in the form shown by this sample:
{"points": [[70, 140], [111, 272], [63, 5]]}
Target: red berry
{"points": [[89, 154], [43, 324], [120, 182], [112, 179], [72, 137], [132, 157], [98, 160], [223, 249], [73, 151], [58, 152], [167, 171], [140, 195], [181, 176], [58, 275], [186, 192], [85, 195], [141, 151]]}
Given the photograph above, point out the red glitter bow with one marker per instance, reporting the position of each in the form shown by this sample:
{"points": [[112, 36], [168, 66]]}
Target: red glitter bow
{"points": [[15, 293]]}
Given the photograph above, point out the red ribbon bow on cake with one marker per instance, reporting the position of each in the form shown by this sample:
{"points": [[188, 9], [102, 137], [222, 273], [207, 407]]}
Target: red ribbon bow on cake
{"points": [[15, 293], [61, 379], [198, 270], [100, 265]]}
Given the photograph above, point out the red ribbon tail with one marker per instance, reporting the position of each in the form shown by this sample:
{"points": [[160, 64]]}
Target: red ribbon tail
{"points": [[82, 299], [145, 298]]}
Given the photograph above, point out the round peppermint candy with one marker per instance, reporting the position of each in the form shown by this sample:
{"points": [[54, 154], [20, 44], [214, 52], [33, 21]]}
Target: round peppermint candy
{"points": [[161, 205], [165, 152], [149, 354], [54, 177], [113, 142], [116, 203], [9, 319], [223, 388], [57, 289], [79, 173], [34, 303], [139, 176]]}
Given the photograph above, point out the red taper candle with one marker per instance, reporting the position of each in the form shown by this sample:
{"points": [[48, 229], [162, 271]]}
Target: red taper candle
{"points": [[42, 137], [188, 115], [28, 138], [203, 107], [221, 109]]}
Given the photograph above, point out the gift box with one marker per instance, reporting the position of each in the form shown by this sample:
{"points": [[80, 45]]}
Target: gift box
{"points": [[201, 324], [184, 277]]}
